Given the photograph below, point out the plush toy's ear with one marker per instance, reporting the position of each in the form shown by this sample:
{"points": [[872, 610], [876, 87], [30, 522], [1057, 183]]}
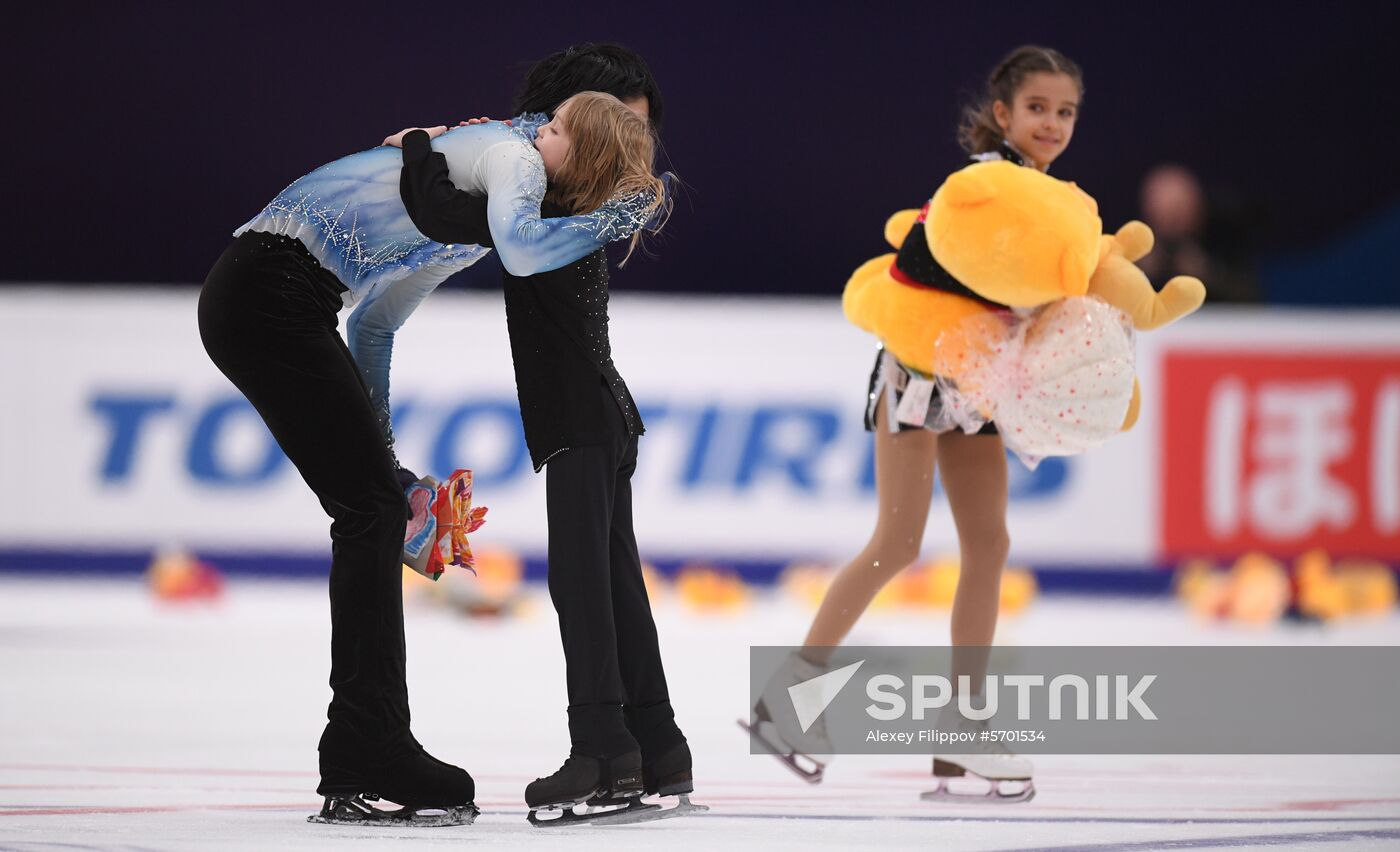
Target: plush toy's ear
{"points": [[898, 226], [967, 188], [860, 300], [1136, 240]]}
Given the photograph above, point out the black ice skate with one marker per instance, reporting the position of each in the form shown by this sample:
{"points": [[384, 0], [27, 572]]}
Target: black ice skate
{"points": [[354, 773], [617, 781], [357, 810], [667, 775]]}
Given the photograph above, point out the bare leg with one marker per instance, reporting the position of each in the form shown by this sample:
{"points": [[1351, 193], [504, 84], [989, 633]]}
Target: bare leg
{"points": [[974, 477], [904, 481]]}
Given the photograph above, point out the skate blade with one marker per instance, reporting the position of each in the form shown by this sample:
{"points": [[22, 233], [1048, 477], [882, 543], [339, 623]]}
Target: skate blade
{"points": [[787, 758], [356, 811], [993, 796], [568, 815], [653, 811]]}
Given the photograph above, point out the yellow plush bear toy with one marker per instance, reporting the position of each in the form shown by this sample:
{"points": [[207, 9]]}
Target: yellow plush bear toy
{"points": [[1014, 236], [1011, 235]]}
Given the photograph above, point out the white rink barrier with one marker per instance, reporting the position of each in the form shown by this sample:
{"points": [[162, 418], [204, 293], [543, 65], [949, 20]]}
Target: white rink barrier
{"points": [[1260, 428]]}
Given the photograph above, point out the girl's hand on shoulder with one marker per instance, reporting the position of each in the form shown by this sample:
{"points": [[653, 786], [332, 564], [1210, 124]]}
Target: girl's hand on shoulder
{"points": [[482, 120], [397, 139]]}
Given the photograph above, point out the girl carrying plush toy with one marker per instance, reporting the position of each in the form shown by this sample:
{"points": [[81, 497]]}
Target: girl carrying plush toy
{"points": [[1027, 118]]}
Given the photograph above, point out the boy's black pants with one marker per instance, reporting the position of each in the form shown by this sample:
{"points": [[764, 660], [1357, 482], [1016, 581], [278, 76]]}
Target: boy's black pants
{"points": [[617, 688]]}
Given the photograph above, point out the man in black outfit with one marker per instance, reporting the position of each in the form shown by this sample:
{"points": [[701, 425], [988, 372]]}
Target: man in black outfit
{"points": [[267, 317], [581, 422]]}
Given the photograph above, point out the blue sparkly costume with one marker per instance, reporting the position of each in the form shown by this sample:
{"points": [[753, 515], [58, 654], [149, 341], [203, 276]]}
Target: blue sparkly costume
{"points": [[349, 215]]}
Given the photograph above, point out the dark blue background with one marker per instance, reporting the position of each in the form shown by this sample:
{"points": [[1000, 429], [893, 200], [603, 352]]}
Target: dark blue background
{"points": [[143, 134]]}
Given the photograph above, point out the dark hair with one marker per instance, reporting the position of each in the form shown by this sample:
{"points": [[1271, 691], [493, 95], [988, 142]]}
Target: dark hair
{"points": [[609, 68], [979, 131]]}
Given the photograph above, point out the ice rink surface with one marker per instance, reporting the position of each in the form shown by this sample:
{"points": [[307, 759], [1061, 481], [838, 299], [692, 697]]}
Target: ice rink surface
{"points": [[127, 723]]}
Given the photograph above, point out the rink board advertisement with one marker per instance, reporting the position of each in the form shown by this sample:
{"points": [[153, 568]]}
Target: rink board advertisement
{"points": [[1259, 429], [1282, 451]]}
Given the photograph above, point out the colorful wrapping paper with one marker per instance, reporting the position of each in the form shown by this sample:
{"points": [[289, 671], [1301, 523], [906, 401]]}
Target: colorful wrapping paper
{"points": [[442, 516]]}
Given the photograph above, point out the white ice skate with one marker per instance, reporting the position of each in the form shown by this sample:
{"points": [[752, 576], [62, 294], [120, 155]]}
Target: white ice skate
{"points": [[776, 727], [1008, 774]]}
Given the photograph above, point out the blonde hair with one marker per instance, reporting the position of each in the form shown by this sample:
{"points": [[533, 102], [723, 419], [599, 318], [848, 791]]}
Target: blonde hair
{"points": [[611, 154]]}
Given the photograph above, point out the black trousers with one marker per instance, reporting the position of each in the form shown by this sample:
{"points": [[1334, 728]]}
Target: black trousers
{"points": [[267, 316], [617, 687]]}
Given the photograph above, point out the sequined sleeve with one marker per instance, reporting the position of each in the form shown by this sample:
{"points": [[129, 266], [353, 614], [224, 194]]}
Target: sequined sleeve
{"points": [[528, 124], [514, 178], [370, 334]]}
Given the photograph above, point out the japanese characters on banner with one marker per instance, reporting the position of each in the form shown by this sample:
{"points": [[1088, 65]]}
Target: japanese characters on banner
{"points": [[1282, 450]]}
